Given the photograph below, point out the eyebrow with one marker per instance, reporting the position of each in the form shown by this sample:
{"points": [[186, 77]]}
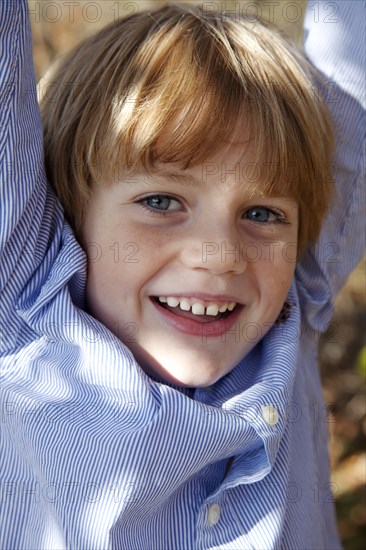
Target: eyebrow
{"points": [[183, 179], [193, 181]]}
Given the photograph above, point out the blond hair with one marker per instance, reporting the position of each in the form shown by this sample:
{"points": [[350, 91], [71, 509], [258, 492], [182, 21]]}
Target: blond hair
{"points": [[191, 75]]}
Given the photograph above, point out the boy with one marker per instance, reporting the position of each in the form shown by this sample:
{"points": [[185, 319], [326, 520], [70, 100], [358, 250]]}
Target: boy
{"points": [[180, 145]]}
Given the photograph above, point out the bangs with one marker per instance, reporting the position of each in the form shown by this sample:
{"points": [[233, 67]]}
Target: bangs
{"points": [[194, 87], [178, 85], [180, 105]]}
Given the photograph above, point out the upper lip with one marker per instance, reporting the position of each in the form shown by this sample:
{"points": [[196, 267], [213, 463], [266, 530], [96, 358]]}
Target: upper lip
{"points": [[203, 297]]}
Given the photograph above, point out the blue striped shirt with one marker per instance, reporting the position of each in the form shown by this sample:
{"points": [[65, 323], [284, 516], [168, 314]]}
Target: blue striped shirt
{"points": [[96, 454]]}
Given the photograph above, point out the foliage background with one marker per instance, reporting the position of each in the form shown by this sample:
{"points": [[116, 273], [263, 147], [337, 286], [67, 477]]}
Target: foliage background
{"points": [[57, 26]]}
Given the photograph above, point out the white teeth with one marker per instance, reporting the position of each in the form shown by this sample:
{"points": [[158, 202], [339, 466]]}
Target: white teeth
{"points": [[212, 309], [187, 304], [198, 309]]}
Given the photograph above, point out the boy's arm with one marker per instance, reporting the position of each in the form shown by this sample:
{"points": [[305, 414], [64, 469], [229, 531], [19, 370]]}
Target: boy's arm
{"points": [[334, 43], [21, 137], [22, 181], [31, 219]]}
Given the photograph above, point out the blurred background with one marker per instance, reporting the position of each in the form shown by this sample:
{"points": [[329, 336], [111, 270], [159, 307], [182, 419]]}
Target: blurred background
{"points": [[57, 26]]}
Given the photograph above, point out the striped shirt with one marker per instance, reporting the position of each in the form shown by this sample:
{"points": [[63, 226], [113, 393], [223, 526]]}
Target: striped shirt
{"points": [[95, 453]]}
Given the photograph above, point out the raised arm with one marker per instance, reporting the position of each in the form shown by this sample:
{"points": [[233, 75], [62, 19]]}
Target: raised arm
{"points": [[29, 213], [334, 43]]}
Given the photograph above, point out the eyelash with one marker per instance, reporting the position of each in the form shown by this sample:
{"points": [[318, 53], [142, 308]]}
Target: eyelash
{"points": [[280, 217], [155, 211]]}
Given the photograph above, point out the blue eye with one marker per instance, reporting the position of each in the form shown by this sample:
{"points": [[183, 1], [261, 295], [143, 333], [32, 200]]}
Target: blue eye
{"points": [[262, 214], [160, 204]]}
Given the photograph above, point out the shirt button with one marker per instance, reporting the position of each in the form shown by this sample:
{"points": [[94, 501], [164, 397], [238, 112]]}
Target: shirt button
{"points": [[270, 415], [213, 514]]}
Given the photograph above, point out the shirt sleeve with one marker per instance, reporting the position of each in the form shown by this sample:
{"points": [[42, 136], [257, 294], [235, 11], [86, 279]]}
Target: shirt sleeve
{"points": [[334, 44], [30, 215]]}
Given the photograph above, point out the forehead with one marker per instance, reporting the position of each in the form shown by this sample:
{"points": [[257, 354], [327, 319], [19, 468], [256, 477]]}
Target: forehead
{"points": [[238, 158], [236, 165]]}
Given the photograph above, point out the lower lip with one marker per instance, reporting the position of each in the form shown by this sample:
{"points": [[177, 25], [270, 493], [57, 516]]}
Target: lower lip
{"points": [[196, 328]]}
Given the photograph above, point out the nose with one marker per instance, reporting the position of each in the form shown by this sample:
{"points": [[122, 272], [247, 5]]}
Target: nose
{"points": [[214, 249]]}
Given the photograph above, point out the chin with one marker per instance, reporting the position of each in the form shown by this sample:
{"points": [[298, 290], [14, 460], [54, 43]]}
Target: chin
{"points": [[190, 370], [188, 380], [189, 375]]}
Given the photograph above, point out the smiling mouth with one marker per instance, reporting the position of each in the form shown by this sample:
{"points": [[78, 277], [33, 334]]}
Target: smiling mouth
{"points": [[197, 310]]}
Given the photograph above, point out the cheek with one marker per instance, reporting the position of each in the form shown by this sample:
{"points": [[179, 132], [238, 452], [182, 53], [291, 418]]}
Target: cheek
{"points": [[284, 260], [112, 287], [111, 249], [274, 279]]}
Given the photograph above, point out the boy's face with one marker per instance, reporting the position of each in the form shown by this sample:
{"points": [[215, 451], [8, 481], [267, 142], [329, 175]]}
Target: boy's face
{"points": [[190, 268]]}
